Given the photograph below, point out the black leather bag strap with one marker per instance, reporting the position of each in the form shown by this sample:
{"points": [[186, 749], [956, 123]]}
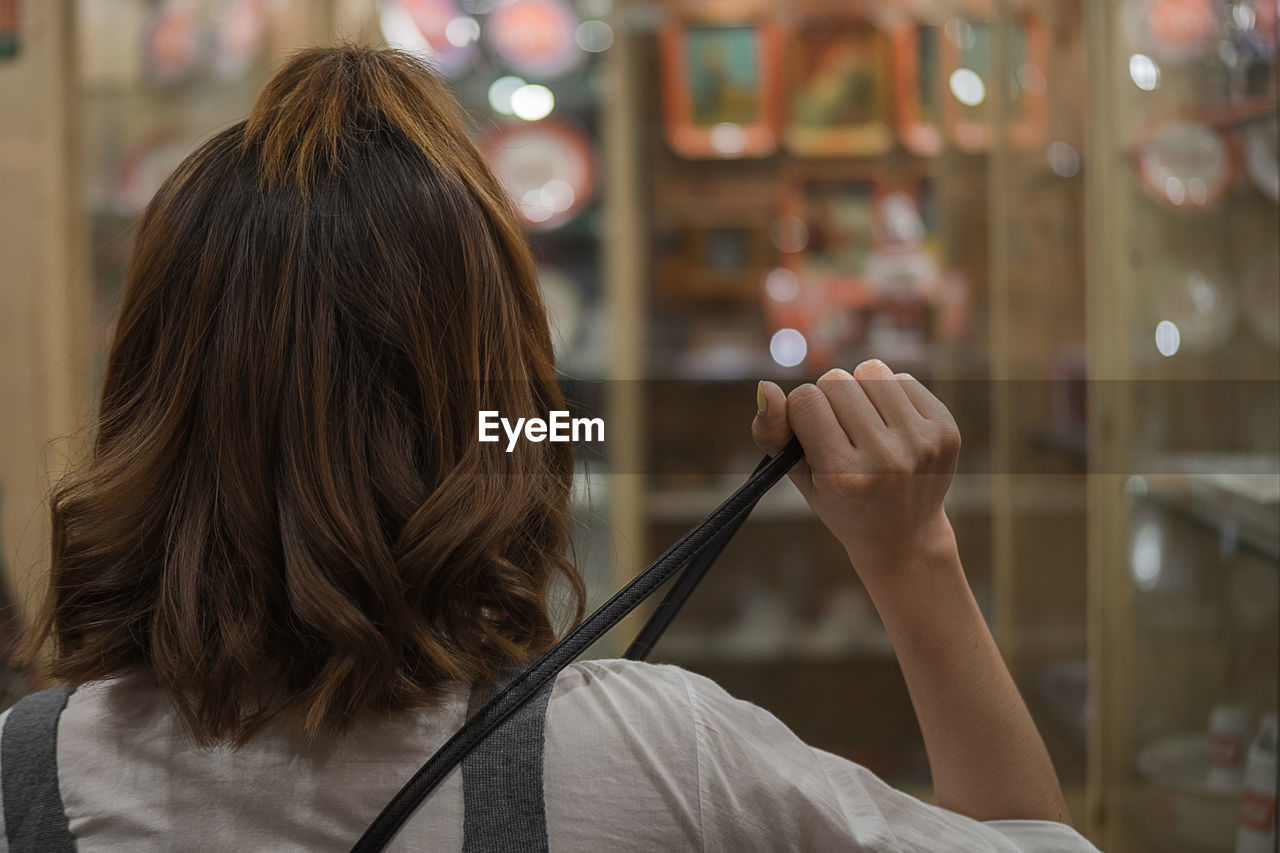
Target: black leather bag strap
{"points": [[695, 550], [686, 583]]}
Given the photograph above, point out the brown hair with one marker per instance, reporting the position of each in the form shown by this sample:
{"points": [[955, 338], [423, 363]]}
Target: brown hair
{"points": [[287, 513]]}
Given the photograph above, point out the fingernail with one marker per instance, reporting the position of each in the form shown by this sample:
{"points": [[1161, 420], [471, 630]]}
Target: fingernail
{"points": [[761, 402]]}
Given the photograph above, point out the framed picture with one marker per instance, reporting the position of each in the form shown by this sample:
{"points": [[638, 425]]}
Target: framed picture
{"points": [[720, 257], [917, 80], [839, 99], [820, 288], [721, 90], [10, 15], [968, 61]]}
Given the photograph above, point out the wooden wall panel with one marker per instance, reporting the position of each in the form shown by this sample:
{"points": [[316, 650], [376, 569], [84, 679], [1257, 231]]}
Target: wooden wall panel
{"points": [[42, 285]]}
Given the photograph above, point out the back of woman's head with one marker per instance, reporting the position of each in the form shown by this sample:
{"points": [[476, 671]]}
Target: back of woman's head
{"points": [[287, 513]]}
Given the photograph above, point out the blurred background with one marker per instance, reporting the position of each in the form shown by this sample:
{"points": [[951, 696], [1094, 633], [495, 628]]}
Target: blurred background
{"points": [[1062, 216]]}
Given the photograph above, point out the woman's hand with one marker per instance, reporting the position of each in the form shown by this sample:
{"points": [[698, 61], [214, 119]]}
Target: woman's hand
{"points": [[880, 451]]}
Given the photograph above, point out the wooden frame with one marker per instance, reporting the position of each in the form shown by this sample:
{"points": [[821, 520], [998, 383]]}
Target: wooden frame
{"points": [[970, 133], [919, 133], [756, 132], [816, 39]]}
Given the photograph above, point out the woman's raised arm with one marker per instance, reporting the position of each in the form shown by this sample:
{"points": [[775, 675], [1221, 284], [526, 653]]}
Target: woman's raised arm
{"points": [[880, 452]]}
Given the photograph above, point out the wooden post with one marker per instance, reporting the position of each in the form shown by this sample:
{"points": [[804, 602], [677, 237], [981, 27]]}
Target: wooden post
{"points": [[43, 290], [624, 265], [1000, 349], [1109, 308]]}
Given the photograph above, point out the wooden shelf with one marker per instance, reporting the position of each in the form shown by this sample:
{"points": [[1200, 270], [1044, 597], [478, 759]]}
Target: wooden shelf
{"points": [[785, 503], [1247, 524]]}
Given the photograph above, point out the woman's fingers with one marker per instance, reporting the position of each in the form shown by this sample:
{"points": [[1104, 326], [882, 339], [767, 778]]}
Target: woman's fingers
{"points": [[865, 439], [871, 421], [826, 445], [772, 430], [853, 408], [885, 392], [929, 406], [939, 430]]}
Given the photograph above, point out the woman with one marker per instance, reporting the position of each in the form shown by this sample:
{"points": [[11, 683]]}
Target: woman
{"points": [[289, 560]]}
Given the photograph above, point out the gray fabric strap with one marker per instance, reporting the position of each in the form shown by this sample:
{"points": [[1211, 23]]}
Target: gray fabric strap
{"points": [[34, 820], [502, 781]]}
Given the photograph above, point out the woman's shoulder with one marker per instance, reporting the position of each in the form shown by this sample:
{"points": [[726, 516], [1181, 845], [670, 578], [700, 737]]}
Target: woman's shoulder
{"points": [[614, 710], [605, 674], [663, 713], [627, 690], [621, 757], [610, 693]]}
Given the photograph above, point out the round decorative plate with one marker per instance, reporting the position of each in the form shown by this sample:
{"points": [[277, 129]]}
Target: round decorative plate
{"points": [[1185, 164], [547, 167]]}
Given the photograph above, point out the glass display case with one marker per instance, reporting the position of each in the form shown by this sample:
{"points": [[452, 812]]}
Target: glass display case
{"points": [[868, 211], [1185, 433]]}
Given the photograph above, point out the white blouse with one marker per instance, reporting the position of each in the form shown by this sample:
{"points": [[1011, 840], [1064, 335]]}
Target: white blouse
{"points": [[637, 757]]}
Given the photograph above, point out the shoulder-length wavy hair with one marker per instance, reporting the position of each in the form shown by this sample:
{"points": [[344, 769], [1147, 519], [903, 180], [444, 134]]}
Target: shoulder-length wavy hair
{"points": [[287, 513]]}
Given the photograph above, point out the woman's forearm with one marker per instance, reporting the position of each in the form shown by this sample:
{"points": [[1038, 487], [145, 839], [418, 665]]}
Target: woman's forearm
{"points": [[987, 758]]}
